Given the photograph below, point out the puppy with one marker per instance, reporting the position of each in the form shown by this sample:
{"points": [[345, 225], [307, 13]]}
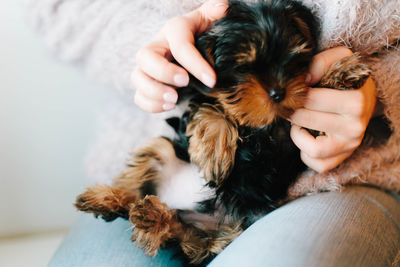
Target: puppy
{"points": [[233, 159]]}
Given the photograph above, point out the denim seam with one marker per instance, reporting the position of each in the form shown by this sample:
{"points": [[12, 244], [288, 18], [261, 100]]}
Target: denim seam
{"points": [[381, 207]]}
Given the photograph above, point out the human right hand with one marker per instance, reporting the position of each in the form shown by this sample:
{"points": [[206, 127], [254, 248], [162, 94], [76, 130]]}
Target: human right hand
{"points": [[343, 115], [155, 76]]}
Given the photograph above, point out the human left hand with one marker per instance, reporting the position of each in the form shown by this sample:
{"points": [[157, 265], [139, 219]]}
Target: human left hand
{"points": [[342, 115], [156, 75]]}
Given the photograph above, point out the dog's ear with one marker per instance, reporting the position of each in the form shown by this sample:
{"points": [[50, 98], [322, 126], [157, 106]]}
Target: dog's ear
{"points": [[305, 22]]}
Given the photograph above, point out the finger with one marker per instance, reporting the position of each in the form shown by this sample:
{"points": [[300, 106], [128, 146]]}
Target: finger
{"points": [[181, 42], [322, 62], [150, 105], [153, 89], [320, 147], [335, 101], [153, 61], [180, 34], [324, 165], [321, 121]]}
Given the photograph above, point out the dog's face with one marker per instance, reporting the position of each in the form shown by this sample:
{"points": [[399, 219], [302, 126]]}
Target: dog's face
{"points": [[261, 54]]}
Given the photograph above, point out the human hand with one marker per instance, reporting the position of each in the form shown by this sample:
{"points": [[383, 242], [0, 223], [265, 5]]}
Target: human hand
{"points": [[342, 115], [155, 76]]}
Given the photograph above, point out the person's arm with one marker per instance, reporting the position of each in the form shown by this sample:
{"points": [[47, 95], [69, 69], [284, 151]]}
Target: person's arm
{"points": [[102, 35]]}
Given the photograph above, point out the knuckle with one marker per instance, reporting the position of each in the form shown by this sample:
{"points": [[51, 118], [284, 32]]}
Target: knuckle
{"points": [[144, 103], [152, 106], [316, 152], [356, 142], [311, 163], [141, 54], [294, 133], [166, 73], [320, 166], [357, 128], [320, 57], [173, 23]]}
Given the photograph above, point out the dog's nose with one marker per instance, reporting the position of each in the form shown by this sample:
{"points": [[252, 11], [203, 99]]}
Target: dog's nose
{"points": [[277, 94]]}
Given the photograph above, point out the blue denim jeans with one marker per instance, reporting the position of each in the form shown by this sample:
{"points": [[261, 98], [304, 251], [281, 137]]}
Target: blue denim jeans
{"points": [[357, 227]]}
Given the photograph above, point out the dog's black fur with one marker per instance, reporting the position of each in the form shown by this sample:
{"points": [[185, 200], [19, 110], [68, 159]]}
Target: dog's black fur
{"points": [[266, 160], [261, 53], [266, 163]]}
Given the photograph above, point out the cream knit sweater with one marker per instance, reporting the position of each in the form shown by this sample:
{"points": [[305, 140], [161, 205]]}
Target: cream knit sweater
{"points": [[103, 36]]}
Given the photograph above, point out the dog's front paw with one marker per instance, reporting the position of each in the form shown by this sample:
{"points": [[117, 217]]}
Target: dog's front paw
{"points": [[152, 220], [346, 74], [105, 201], [213, 142]]}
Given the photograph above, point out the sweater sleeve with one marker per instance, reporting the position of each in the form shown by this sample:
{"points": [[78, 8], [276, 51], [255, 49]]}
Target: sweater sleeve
{"points": [[102, 35], [363, 26]]}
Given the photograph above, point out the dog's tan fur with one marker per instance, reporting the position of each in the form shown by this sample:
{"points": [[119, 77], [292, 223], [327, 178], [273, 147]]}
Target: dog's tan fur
{"points": [[154, 222], [213, 142]]}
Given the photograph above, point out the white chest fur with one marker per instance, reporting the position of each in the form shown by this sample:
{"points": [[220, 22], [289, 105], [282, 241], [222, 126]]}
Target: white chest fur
{"points": [[182, 186]]}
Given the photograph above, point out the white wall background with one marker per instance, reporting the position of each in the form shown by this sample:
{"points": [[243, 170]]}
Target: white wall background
{"points": [[47, 122]]}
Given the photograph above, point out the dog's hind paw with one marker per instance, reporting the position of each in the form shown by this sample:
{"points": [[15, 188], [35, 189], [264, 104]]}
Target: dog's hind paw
{"points": [[152, 220]]}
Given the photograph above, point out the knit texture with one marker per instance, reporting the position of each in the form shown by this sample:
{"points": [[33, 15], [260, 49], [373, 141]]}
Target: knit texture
{"points": [[103, 36]]}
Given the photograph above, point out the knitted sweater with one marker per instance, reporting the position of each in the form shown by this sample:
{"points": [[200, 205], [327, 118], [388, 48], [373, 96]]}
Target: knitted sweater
{"points": [[103, 37]]}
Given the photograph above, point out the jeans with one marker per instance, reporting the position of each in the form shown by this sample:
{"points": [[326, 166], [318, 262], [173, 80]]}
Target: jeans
{"points": [[357, 227]]}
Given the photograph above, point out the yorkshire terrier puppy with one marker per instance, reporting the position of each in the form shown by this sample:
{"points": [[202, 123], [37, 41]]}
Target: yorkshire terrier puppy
{"points": [[232, 160]]}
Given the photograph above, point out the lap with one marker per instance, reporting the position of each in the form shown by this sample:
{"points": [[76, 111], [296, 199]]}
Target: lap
{"points": [[94, 242], [358, 227]]}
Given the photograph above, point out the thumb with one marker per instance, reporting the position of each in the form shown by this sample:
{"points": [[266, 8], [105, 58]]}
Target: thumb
{"points": [[322, 62]]}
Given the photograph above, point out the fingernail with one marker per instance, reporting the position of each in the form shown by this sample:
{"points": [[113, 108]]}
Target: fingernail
{"points": [[208, 80], [170, 97], [308, 78], [181, 80], [168, 106]]}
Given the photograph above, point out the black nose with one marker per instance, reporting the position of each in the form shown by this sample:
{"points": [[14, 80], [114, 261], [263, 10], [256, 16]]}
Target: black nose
{"points": [[277, 94]]}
